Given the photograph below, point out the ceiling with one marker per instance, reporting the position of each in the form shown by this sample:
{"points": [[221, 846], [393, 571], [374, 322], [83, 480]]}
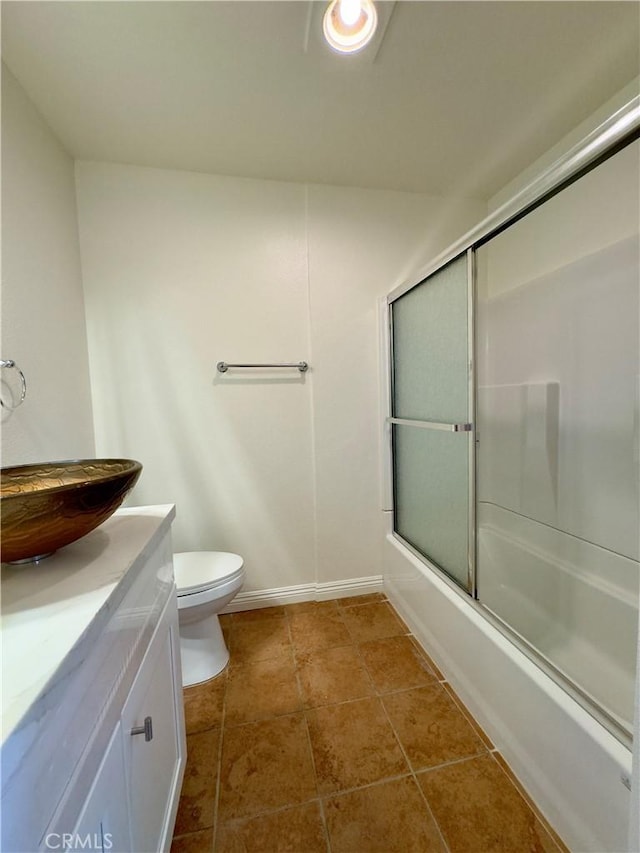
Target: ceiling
{"points": [[456, 99]]}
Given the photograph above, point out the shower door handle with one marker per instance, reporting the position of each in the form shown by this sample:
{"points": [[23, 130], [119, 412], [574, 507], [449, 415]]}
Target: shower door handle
{"points": [[432, 425]]}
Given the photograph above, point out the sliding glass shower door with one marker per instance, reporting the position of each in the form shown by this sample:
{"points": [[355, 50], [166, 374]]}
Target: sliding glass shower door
{"points": [[546, 538], [432, 406], [559, 420]]}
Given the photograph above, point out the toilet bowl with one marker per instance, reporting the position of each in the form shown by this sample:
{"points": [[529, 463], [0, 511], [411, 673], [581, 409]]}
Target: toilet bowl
{"points": [[206, 582]]}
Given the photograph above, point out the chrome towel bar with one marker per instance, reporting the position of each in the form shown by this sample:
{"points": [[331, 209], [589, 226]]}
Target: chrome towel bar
{"points": [[302, 366]]}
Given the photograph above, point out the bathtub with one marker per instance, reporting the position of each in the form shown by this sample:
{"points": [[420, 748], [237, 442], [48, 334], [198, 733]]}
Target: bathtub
{"points": [[576, 771]]}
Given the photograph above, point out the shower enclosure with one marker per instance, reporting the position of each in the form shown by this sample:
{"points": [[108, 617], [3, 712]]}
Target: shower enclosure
{"points": [[515, 420]]}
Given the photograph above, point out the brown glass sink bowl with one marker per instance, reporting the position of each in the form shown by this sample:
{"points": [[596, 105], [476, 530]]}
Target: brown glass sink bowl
{"points": [[49, 505]]}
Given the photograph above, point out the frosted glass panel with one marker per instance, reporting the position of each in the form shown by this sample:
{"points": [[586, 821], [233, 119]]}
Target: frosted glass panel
{"points": [[431, 486], [430, 343]]}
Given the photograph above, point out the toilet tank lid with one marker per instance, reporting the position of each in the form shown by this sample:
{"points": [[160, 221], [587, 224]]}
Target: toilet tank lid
{"points": [[196, 570]]}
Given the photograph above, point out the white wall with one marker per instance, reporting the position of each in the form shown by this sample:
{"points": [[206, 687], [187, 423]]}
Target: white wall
{"points": [[43, 326], [183, 270]]}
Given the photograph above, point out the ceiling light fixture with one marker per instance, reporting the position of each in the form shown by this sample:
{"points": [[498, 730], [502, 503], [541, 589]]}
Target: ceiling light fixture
{"points": [[349, 25]]}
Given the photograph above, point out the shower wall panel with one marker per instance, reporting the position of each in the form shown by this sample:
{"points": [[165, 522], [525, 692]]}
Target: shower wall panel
{"points": [[557, 486], [558, 400]]}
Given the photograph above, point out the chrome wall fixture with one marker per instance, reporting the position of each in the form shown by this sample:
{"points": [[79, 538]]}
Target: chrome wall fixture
{"points": [[302, 366], [9, 363]]}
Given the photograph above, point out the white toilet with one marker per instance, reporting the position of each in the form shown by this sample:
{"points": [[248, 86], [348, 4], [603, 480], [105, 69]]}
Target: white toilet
{"points": [[206, 582]]}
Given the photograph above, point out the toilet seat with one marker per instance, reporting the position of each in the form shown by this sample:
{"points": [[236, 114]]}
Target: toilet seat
{"points": [[202, 571]]}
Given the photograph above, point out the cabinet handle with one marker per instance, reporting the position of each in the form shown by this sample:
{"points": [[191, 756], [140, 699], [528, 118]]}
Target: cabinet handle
{"points": [[146, 729]]}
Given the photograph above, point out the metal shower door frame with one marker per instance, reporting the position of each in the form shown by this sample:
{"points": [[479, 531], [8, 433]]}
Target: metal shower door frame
{"points": [[467, 427]]}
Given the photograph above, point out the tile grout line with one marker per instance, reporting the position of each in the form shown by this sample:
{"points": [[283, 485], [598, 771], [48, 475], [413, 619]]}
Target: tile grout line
{"points": [[412, 773], [330, 795], [223, 716], [301, 696], [466, 713], [431, 664], [268, 812], [452, 763], [355, 644], [303, 707], [529, 802]]}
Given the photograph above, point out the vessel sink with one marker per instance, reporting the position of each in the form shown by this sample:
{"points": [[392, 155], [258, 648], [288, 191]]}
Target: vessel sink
{"points": [[51, 504]]}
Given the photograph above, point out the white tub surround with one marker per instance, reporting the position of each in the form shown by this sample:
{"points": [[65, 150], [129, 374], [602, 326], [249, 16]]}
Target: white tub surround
{"points": [[563, 595], [90, 642]]}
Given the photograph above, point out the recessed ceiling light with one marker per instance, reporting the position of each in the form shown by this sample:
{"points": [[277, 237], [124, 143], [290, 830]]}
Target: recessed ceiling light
{"points": [[349, 25]]}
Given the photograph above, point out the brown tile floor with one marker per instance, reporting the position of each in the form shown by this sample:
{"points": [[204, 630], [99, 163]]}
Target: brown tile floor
{"points": [[332, 731]]}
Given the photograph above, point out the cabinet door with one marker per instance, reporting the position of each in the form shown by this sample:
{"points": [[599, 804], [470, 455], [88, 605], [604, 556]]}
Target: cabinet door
{"points": [[103, 824], [152, 763]]}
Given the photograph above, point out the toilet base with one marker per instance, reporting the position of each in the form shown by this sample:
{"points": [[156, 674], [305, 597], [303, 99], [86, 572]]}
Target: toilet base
{"points": [[203, 651]]}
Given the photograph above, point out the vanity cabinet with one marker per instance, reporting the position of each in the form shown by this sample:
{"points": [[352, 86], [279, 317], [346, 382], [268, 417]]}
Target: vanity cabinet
{"points": [[131, 804], [104, 818], [94, 744], [154, 753]]}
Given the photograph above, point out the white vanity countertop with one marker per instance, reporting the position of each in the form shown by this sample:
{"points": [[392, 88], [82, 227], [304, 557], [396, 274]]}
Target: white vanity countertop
{"points": [[55, 607]]}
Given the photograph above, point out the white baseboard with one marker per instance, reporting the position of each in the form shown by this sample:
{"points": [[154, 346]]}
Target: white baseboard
{"points": [[304, 592]]}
